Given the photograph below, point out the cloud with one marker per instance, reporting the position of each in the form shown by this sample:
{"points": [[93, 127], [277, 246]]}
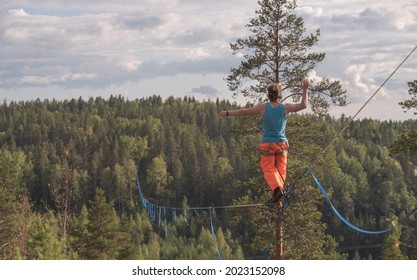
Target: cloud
{"points": [[17, 12], [98, 50], [91, 6], [364, 43], [197, 53], [107, 48], [97, 44], [206, 90], [372, 19], [140, 22]]}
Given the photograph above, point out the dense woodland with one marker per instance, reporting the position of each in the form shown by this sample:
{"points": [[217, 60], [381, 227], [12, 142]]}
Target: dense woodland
{"points": [[68, 189]]}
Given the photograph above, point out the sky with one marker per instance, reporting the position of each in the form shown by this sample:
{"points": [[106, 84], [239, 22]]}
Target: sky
{"points": [[59, 49]]}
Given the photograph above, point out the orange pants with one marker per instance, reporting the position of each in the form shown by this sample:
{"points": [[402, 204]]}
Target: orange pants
{"points": [[274, 163]]}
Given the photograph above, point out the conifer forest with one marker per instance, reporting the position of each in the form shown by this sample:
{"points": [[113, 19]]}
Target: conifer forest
{"points": [[68, 183]]}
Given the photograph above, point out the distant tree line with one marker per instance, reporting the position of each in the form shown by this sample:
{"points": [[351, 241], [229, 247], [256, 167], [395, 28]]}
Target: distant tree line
{"points": [[68, 191]]}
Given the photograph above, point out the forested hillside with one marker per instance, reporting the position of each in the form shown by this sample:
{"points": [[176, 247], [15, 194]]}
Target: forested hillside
{"points": [[68, 190]]}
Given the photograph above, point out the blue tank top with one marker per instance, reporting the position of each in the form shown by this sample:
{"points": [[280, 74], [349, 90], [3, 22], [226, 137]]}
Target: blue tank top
{"points": [[273, 123]]}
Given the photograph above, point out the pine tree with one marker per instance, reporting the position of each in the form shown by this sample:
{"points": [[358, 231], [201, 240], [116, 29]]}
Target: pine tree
{"points": [[391, 249], [61, 190], [15, 208], [153, 248], [79, 234], [362, 178], [44, 242], [412, 102], [127, 247], [278, 51], [206, 248], [159, 178], [407, 141], [103, 239]]}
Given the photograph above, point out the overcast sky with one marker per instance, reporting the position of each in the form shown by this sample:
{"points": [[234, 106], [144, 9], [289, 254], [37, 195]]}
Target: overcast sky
{"points": [[65, 49]]}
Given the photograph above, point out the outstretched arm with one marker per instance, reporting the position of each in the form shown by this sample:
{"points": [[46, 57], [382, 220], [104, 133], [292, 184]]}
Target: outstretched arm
{"points": [[257, 110], [291, 108]]}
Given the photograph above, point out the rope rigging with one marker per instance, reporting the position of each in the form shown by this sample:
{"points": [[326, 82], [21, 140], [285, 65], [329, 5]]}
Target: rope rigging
{"points": [[153, 209], [364, 105], [307, 169]]}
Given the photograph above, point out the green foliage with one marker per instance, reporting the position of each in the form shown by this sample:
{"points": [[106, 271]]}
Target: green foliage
{"points": [[104, 240], [15, 212], [80, 145], [278, 50], [79, 233], [157, 175], [407, 140], [412, 102], [80, 163], [368, 186], [391, 250], [44, 242]]}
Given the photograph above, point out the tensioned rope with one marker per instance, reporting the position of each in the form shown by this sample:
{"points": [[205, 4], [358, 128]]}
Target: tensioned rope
{"points": [[307, 169], [155, 211], [323, 191], [366, 103], [153, 208], [352, 118]]}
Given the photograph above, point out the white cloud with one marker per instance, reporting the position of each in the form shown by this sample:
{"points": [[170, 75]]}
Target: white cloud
{"points": [[131, 64], [17, 12], [206, 90], [308, 10], [197, 53], [81, 76], [364, 43], [356, 71], [98, 44]]}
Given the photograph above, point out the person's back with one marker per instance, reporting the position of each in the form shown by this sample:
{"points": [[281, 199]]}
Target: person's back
{"points": [[274, 144], [274, 122]]}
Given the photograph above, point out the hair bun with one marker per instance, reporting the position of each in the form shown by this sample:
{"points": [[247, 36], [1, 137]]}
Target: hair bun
{"points": [[274, 91]]}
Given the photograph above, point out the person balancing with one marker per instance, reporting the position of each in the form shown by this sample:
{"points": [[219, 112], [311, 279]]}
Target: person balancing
{"points": [[274, 145]]}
